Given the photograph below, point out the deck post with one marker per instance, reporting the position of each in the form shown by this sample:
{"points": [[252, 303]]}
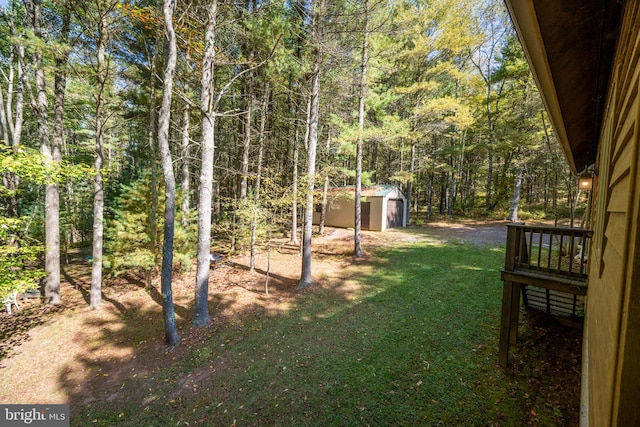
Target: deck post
{"points": [[511, 249], [506, 323], [515, 312], [510, 300], [520, 271]]}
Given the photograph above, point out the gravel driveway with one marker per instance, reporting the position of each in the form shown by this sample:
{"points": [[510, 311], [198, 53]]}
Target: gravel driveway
{"points": [[476, 232]]}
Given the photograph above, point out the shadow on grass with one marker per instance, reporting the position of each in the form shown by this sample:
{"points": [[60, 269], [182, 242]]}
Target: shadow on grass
{"points": [[410, 338], [84, 289], [14, 328], [290, 281]]}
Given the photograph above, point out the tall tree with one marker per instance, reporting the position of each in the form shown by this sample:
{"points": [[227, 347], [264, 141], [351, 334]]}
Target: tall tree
{"points": [[12, 112], [207, 139], [185, 152], [496, 28], [246, 140], [171, 331], [306, 277], [52, 154], [52, 261], [98, 16], [361, 98], [294, 185], [256, 190], [151, 138], [299, 17], [325, 189]]}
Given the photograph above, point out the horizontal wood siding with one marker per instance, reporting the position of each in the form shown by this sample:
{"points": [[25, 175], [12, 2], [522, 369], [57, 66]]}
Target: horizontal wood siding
{"points": [[612, 291], [619, 193], [626, 410]]}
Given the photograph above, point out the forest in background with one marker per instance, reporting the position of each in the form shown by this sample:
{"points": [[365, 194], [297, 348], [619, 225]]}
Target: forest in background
{"points": [[145, 128]]}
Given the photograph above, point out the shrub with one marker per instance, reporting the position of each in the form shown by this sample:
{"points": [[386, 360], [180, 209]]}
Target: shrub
{"points": [[19, 269], [130, 244]]}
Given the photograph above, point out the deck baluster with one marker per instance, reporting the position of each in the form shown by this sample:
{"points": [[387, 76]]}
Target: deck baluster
{"points": [[521, 271]]}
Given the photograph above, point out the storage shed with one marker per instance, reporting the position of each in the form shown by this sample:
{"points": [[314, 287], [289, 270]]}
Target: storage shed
{"points": [[383, 206]]}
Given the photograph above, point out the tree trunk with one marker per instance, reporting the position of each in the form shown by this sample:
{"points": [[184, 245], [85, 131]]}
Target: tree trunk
{"points": [[294, 185], [207, 146], [98, 185], [572, 199], [246, 142], [186, 122], [545, 188], [412, 170], [452, 181], [52, 287], [306, 277], [16, 129], [488, 204], [515, 200], [151, 137], [168, 311], [325, 192], [374, 163], [256, 192], [554, 191], [361, 98], [443, 192], [296, 159], [4, 127], [52, 200], [325, 200], [12, 127], [430, 196]]}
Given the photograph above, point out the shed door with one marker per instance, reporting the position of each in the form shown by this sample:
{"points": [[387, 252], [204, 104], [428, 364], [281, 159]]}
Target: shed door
{"points": [[365, 212], [395, 213]]}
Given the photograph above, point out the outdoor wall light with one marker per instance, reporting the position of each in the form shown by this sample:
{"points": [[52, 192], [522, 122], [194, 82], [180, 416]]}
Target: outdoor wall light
{"points": [[585, 181]]}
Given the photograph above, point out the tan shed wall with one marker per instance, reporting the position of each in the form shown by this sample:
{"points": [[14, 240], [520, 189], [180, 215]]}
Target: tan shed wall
{"points": [[613, 299], [378, 213], [341, 213]]}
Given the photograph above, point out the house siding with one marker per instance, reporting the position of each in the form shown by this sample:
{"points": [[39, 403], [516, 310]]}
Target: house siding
{"points": [[613, 299]]}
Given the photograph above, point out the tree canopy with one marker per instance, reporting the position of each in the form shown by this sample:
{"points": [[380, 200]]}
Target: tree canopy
{"points": [[268, 102]]}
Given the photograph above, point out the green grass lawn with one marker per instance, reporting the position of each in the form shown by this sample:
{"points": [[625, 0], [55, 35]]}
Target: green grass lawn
{"points": [[415, 344]]}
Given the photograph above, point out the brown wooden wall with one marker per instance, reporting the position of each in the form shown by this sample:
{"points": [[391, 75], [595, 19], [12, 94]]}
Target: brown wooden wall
{"points": [[613, 299]]}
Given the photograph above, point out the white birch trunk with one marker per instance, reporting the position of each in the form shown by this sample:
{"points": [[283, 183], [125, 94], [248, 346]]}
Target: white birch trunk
{"points": [[201, 309], [515, 200]]}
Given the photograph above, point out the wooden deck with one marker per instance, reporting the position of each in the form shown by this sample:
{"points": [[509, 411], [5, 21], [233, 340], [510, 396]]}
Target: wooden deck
{"points": [[548, 266]]}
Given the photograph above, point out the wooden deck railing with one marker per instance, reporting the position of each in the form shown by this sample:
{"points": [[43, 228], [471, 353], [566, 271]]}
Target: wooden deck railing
{"points": [[551, 258], [556, 250]]}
